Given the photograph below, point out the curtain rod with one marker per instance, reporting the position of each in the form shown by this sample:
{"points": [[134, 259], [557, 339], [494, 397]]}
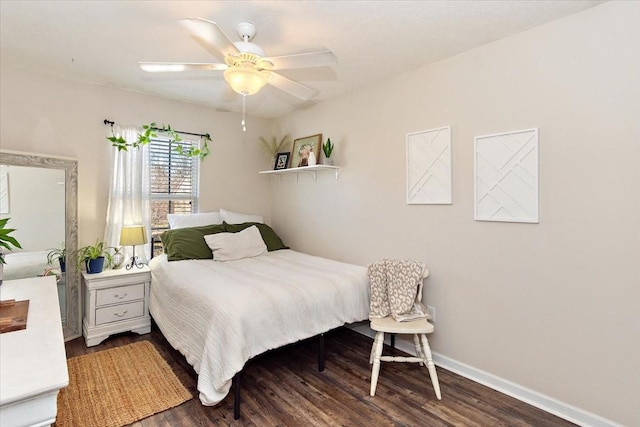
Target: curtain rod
{"points": [[111, 123]]}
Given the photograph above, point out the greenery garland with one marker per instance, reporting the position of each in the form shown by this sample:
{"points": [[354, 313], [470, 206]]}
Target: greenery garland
{"points": [[150, 132]]}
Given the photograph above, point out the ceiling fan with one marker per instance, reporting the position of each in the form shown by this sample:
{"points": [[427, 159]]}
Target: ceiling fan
{"points": [[247, 69]]}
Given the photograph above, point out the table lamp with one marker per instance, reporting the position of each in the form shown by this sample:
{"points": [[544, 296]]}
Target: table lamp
{"points": [[133, 235]]}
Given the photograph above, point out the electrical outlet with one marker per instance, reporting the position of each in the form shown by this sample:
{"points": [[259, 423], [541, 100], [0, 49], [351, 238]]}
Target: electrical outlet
{"points": [[432, 312]]}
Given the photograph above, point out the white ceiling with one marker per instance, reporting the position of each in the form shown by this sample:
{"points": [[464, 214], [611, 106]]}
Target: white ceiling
{"points": [[102, 41]]}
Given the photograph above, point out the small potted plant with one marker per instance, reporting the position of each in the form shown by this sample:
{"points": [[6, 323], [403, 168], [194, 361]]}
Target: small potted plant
{"points": [[60, 254], [327, 149], [273, 147], [6, 242], [93, 257]]}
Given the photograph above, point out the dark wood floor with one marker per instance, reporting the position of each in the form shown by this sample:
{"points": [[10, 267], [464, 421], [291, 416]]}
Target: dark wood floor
{"points": [[284, 388]]}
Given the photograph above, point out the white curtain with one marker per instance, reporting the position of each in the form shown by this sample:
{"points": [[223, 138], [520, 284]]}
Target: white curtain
{"points": [[129, 198]]}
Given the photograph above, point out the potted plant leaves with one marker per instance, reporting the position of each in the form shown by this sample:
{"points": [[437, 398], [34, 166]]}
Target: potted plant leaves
{"points": [[272, 147], [59, 254], [327, 149], [93, 257], [6, 242]]}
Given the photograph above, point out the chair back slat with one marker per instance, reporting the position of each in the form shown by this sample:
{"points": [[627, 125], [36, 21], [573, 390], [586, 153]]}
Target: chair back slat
{"points": [[425, 274]]}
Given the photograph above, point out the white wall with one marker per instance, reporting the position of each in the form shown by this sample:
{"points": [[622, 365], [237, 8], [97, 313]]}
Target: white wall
{"points": [[554, 306], [41, 114]]}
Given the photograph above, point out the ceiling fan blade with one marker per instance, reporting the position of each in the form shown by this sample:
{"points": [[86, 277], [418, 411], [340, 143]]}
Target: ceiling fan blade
{"points": [[322, 58], [210, 36], [164, 67], [291, 87]]}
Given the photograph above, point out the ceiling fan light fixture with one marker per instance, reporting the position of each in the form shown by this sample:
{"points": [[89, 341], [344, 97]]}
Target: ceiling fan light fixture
{"points": [[246, 80]]}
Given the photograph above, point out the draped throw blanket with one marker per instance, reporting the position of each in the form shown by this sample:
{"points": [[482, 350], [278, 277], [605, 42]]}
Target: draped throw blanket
{"points": [[394, 285]]}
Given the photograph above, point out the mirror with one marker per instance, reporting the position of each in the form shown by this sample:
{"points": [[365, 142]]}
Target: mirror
{"points": [[39, 194]]}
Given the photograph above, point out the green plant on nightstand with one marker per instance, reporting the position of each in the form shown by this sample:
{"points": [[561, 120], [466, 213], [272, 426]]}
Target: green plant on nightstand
{"points": [[327, 149], [59, 254], [94, 257]]}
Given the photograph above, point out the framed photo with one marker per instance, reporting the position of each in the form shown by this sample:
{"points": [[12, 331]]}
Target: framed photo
{"points": [[282, 160], [301, 149]]}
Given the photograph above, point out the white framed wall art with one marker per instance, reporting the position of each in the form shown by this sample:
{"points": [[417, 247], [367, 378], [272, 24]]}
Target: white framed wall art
{"points": [[506, 176], [429, 167]]}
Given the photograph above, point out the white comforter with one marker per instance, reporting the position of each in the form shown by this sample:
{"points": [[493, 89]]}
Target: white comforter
{"points": [[20, 265], [221, 314]]}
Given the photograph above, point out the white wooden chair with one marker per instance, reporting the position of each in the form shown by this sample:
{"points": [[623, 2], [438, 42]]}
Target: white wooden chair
{"points": [[419, 328]]}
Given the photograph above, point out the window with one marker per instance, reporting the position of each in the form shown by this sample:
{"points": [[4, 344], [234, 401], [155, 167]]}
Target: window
{"points": [[174, 183]]}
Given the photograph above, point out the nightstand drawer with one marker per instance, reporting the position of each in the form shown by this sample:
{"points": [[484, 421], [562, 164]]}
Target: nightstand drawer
{"points": [[116, 313], [119, 294]]}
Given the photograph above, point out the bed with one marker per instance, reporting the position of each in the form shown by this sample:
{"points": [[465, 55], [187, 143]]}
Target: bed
{"points": [[20, 265], [221, 314]]}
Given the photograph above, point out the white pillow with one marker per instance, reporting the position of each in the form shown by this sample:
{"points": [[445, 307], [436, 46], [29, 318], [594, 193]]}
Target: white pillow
{"points": [[231, 246], [193, 220], [239, 218]]}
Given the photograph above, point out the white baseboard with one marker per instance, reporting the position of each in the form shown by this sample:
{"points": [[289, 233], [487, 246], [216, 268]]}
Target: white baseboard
{"points": [[524, 394]]}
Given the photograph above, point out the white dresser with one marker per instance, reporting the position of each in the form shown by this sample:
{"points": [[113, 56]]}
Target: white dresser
{"points": [[115, 301], [33, 362]]}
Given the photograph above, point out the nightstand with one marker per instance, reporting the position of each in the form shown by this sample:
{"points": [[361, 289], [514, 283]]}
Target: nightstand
{"points": [[115, 301]]}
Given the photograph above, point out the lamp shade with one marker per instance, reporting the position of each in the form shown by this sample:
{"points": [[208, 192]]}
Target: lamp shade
{"points": [[245, 79], [133, 235]]}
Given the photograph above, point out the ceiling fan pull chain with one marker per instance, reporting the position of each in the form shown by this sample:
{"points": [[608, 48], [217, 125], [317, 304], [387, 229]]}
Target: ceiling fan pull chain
{"points": [[244, 109]]}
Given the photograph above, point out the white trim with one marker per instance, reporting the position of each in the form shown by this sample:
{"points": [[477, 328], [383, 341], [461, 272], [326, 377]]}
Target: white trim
{"points": [[524, 394]]}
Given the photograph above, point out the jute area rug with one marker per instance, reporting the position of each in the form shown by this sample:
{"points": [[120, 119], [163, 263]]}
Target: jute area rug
{"points": [[119, 386]]}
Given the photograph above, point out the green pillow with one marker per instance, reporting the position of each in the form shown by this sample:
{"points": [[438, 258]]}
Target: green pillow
{"points": [[188, 243], [269, 236]]}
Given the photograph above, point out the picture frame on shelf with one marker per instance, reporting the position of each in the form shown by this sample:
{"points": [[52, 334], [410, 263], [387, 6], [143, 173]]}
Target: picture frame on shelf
{"points": [[301, 149], [282, 161]]}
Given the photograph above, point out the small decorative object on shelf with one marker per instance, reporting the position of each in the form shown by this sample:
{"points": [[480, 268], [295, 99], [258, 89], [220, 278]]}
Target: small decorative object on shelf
{"points": [[301, 149], [327, 148], [274, 148], [312, 159], [282, 161]]}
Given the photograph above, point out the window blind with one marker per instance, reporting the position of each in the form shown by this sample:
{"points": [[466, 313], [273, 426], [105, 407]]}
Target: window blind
{"points": [[174, 182]]}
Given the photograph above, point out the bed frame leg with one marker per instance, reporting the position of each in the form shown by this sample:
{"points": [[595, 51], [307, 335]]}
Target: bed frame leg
{"points": [[320, 352], [236, 395]]}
